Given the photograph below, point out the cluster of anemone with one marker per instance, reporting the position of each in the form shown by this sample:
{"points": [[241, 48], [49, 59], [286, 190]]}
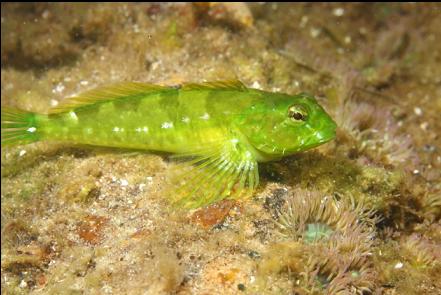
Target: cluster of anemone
{"points": [[420, 252], [336, 237], [330, 276], [375, 134]]}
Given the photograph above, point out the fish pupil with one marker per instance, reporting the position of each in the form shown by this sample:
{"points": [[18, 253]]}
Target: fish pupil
{"points": [[298, 116], [297, 113]]}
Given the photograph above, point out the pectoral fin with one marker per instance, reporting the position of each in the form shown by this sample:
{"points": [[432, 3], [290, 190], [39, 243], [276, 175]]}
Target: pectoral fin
{"points": [[226, 170]]}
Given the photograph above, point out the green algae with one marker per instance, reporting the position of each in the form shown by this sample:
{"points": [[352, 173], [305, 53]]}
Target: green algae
{"points": [[337, 51]]}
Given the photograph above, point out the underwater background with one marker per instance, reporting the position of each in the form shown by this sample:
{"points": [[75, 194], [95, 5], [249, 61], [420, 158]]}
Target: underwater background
{"points": [[359, 215]]}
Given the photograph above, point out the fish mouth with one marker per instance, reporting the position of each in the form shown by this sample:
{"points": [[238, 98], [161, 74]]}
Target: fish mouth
{"points": [[320, 137], [323, 136], [326, 133]]}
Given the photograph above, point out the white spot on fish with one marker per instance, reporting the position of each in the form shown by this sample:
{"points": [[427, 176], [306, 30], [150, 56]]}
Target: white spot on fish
{"points": [[205, 116], [185, 119], [319, 135], [73, 116], [256, 85], [32, 129], [167, 125]]}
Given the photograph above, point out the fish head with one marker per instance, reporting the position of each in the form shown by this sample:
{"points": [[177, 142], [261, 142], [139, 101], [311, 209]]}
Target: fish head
{"points": [[286, 124]]}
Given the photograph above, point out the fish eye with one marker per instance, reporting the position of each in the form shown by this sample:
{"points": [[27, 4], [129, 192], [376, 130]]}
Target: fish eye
{"points": [[297, 113]]}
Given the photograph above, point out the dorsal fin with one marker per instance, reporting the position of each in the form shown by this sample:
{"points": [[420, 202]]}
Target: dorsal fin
{"points": [[110, 92], [216, 85]]}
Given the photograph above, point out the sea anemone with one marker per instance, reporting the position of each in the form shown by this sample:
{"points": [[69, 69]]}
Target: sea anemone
{"points": [[420, 252], [342, 263], [337, 238], [331, 276], [375, 134], [310, 216]]}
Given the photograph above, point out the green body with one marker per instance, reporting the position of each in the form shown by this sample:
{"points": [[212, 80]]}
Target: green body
{"points": [[225, 126], [171, 120]]}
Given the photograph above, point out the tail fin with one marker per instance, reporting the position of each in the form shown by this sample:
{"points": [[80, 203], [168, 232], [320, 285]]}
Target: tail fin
{"points": [[18, 127]]}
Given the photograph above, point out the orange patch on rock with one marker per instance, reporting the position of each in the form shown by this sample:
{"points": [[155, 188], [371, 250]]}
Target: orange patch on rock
{"points": [[213, 214], [90, 229]]}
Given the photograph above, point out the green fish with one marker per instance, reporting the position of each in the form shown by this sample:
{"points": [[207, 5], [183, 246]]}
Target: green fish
{"points": [[223, 128]]}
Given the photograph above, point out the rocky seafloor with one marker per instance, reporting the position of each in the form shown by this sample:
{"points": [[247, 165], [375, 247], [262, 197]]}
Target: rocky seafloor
{"points": [[359, 215]]}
